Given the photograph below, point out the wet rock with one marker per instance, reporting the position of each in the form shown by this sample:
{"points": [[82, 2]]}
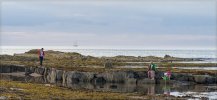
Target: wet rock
{"points": [[11, 68], [201, 79], [64, 76], [161, 81], [115, 77], [146, 81], [159, 75], [167, 56], [46, 71], [99, 80], [87, 76], [49, 75], [75, 77], [131, 74], [53, 75], [59, 75], [131, 81], [39, 79], [210, 80], [140, 75], [19, 68], [191, 78], [216, 79], [40, 70], [29, 70], [180, 76]]}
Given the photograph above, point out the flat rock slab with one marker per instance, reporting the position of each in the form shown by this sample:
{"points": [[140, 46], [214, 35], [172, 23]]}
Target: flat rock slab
{"points": [[35, 75], [21, 74]]}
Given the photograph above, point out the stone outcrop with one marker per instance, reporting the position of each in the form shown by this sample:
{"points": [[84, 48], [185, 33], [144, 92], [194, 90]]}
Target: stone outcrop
{"points": [[40, 70], [29, 70], [203, 79], [11, 68], [76, 77], [53, 75]]}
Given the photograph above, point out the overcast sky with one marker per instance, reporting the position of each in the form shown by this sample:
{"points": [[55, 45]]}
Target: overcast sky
{"points": [[149, 24]]}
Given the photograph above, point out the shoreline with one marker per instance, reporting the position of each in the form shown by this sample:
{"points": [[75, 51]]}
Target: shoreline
{"points": [[76, 61], [73, 69], [116, 52]]}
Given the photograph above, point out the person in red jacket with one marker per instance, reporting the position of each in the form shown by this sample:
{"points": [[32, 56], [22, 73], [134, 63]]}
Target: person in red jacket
{"points": [[41, 55]]}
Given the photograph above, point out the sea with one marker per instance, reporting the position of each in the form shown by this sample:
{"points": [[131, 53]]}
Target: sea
{"points": [[110, 52]]}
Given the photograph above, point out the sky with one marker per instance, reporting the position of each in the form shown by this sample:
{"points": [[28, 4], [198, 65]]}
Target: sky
{"points": [[143, 24]]}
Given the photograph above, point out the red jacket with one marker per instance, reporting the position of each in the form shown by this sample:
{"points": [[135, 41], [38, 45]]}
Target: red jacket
{"points": [[39, 53]]}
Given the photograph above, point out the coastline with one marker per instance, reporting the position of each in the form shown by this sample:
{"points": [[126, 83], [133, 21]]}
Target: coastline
{"points": [[112, 70]]}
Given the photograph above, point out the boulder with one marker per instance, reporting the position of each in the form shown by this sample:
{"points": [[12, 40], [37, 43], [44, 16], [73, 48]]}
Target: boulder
{"points": [[180, 76], [40, 70], [19, 68], [6, 69], [29, 70], [53, 75], [87, 76], [76, 77], [201, 79], [210, 80], [64, 76], [46, 71], [215, 79], [59, 75], [39, 79], [99, 80], [190, 78], [167, 56], [73, 77], [115, 77]]}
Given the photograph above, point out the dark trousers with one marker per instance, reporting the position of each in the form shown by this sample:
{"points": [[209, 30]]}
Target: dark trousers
{"points": [[41, 60]]}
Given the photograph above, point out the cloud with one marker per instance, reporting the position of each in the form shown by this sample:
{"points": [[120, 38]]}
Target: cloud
{"points": [[142, 23], [120, 40]]}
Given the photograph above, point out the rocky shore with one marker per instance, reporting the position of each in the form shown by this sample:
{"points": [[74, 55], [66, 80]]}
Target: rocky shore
{"points": [[52, 75], [122, 74], [66, 60]]}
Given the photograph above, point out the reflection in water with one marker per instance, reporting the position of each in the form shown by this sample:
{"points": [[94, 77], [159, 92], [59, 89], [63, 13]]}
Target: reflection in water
{"points": [[146, 89], [166, 90], [151, 90]]}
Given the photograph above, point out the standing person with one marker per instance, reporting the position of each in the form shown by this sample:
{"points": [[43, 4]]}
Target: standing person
{"points": [[151, 71], [41, 55]]}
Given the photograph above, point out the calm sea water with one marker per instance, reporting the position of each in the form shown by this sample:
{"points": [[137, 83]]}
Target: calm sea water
{"points": [[99, 52]]}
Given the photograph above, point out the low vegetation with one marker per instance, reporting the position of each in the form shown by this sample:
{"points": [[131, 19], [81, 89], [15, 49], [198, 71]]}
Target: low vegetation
{"points": [[76, 61], [18, 90]]}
